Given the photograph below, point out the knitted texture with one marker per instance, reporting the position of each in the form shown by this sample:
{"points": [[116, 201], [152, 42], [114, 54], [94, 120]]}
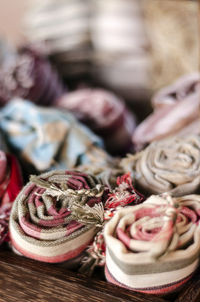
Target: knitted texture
{"points": [[170, 165], [56, 215], [46, 138], [154, 247], [110, 119]]}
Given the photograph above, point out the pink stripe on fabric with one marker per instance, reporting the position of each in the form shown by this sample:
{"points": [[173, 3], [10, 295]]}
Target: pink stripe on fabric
{"points": [[189, 214], [123, 237], [64, 257], [151, 212], [51, 223], [30, 228], [73, 226], [28, 190], [159, 290], [145, 235], [52, 211]]}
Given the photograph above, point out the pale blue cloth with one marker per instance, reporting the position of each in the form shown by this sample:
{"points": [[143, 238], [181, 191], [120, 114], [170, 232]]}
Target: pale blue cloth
{"points": [[46, 138]]}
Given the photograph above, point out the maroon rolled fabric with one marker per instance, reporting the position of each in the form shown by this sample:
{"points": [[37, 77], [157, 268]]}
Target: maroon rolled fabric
{"points": [[104, 113], [177, 107], [28, 74]]}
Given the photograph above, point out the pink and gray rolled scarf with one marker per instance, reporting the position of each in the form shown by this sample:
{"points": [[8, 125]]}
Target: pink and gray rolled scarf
{"points": [[56, 215], [10, 184], [104, 113], [154, 247], [176, 112], [28, 74]]}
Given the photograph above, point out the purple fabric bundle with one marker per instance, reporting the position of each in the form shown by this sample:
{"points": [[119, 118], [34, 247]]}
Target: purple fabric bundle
{"points": [[105, 114], [29, 75]]}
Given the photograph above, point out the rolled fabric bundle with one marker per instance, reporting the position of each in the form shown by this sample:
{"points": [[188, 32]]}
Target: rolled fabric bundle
{"points": [[105, 114], [56, 215], [63, 27], [170, 165], [46, 138], [176, 108], [121, 48], [28, 74], [154, 247]]}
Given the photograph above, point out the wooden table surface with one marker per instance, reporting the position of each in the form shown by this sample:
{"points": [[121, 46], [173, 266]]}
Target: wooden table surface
{"points": [[23, 279]]}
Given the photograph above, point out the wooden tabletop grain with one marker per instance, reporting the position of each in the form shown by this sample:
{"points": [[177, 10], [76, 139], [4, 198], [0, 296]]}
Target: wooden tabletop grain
{"points": [[23, 279]]}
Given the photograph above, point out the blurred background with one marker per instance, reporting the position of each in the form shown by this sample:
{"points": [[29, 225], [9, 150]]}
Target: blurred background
{"points": [[156, 39], [132, 47]]}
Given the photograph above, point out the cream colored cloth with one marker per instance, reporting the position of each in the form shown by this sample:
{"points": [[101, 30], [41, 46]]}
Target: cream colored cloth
{"points": [[170, 165], [154, 247]]}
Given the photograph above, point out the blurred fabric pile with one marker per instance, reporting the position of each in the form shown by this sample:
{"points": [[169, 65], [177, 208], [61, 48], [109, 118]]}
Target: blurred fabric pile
{"points": [[101, 102], [133, 47]]}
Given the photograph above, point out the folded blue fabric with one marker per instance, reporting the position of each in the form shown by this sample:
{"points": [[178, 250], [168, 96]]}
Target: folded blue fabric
{"points": [[46, 138]]}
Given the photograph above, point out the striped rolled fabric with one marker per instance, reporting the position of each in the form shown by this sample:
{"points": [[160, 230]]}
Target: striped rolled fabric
{"points": [[154, 247], [56, 215], [169, 165]]}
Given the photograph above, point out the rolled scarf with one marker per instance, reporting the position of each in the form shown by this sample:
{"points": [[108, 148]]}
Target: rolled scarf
{"points": [[56, 215], [63, 27], [10, 185], [28, 74], [154, 247], [177, 107], [170, 165], [46, 138], [110, 119]]}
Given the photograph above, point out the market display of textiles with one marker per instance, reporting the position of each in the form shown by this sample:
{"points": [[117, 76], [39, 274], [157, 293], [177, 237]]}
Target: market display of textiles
{"points": [[84, 179]]}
